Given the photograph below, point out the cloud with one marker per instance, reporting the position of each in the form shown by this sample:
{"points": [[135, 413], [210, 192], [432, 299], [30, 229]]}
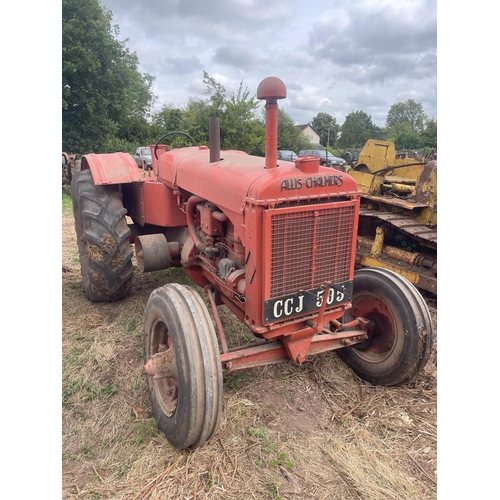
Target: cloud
{"points": [[332, 56], [239, 57]]}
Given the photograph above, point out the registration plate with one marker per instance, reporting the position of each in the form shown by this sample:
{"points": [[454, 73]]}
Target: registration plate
{"points": [[306, 302]]}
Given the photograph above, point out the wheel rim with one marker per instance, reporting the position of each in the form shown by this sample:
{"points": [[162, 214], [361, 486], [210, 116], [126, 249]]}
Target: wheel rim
{"points": [[166, 388], [382, 330]]}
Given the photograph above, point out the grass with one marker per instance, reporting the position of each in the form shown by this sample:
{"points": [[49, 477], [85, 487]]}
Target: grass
{"points": [[313, 431], [67, 204]]}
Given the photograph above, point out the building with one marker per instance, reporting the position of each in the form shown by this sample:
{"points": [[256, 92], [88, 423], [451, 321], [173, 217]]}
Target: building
{"points": [[311, 134]]}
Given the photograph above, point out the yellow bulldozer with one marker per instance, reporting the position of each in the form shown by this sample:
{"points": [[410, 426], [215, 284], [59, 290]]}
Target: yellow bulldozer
{"points": [[398, 217]]}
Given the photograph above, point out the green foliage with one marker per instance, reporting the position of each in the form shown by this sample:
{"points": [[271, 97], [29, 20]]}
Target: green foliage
{"points": [[67, 202], [115, 144], [408, 112], [336, 152], [357, 129], [212, 480], [282, 461], [131, 325], [407, 126], [103, 93], [259, 433], [123, 470], [71, 388], [169, 119], [405, 123], [274, 491], [134, 129], [234, 381], [327, 128], [404, 137], [428, 136], [290, 137], [239, 126]]}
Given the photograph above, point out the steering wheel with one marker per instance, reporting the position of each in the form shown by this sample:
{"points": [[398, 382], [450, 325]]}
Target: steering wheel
{"points": [[172, 133]]}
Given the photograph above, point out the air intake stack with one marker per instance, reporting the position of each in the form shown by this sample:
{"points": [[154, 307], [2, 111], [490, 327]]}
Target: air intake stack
{"points": [[271, 89]]}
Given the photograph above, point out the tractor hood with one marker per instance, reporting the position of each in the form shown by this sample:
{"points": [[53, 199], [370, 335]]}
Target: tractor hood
{"points": [[238, 177]]}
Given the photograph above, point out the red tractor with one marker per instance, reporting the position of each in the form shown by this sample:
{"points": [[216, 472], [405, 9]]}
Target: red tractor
{"points": [[275, 241]]}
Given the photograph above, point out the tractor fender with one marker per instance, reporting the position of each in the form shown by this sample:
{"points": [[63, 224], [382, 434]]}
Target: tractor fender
{"points": [[112, 168]]}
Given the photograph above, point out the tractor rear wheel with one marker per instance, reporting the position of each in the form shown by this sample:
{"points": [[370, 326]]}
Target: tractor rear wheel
{"points": [[187, 395], [103, 239], [400, 329]]}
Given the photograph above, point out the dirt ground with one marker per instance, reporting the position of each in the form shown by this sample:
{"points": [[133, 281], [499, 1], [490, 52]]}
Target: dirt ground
{"points": [[314, 431]]}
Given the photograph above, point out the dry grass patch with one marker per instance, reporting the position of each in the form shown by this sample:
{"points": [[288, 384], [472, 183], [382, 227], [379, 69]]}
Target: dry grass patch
{"points": [[292, 432]]}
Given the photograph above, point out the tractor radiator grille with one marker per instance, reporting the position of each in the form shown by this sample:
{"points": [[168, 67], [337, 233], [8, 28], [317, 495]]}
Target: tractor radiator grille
{"points": [[311, 247]]}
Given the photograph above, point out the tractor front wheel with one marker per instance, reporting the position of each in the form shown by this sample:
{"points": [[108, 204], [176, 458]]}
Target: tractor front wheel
{"points": [[103, 239], [400, 332], [185, 388]]}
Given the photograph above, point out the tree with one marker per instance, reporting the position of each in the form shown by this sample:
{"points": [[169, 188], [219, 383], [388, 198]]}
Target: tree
{"points": [[404, 137], [239, 126], [327, 128], [290, 137], [102, 88], [429, 135], [409, 112], [168, 119], [357, 129]]}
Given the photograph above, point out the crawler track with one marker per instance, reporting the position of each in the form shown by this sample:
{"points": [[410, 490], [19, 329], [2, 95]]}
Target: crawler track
{"points": [[424, 235]]}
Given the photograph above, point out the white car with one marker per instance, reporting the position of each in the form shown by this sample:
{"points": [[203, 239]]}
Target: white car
{"points": [[142, 157]]}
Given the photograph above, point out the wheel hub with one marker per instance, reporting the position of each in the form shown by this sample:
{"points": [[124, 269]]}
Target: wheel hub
{"points": [[162, 368], [381, 326]]}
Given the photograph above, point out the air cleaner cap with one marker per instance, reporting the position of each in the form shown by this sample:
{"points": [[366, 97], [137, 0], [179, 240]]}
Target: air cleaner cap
{"points": [[271, 88]]}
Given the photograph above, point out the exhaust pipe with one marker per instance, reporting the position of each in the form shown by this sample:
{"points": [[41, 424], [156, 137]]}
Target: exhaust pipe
{"points": [[271, 89], [214, 139]]}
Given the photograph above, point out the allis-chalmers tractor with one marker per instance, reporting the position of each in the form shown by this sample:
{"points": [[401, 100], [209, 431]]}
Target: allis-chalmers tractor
{"points": [[275, 241]]}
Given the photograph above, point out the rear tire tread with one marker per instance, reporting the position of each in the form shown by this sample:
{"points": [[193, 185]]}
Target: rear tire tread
{"points": [[102, 238]]}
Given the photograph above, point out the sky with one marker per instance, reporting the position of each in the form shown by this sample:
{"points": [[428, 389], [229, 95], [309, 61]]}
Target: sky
{"points": [[334, 56]]}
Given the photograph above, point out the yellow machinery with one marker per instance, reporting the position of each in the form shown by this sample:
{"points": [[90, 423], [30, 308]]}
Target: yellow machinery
{"points": [[398, 217]]}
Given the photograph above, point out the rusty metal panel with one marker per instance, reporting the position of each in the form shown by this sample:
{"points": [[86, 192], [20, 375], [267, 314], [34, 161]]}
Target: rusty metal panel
{"points": [[151, 202], [426, 189], [160, 206], [133, 196], [112, 168]]}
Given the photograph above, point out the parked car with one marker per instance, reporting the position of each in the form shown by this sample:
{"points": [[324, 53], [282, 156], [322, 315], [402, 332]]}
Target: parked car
{"points": [[285, 154], [325, 157], [141, 154]]}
